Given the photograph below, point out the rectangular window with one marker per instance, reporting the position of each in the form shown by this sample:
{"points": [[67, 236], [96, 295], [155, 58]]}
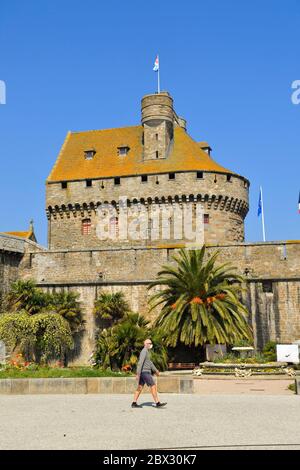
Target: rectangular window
{"points": [[171, 176], [199, 175], [206, 218], [267, 286], [144, 178], [228, 178], [64, 184], [86, 226], [88, 183], [117, 181], [156, 153]]}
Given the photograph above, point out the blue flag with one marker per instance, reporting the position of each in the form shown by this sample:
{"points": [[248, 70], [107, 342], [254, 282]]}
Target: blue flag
{"points": [[259, 204]]}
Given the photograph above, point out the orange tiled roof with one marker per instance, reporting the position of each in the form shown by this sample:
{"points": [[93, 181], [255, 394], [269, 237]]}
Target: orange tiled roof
{"points": [[186, 155], [20, 234], [203, 145]]}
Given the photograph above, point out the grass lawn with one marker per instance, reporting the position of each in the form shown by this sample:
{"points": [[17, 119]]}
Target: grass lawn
{"points": [[56, 372]]}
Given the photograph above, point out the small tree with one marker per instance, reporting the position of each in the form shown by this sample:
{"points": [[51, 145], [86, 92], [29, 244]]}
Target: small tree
{"points": [[67, 305], [39, 337], [200, 301], [110, 308], [26, 296], [17, 331], [53, 336], [121, 344]]}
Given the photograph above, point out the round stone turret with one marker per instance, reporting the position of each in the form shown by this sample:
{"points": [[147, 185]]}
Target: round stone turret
{"points": [[158, 123], [158, 106]]}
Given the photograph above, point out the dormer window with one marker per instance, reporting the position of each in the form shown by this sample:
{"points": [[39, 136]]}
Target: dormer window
{"points": [[89, 154], [123, 151]]}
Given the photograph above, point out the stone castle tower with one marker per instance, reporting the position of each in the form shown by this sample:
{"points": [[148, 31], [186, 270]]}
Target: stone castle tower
{"points": [[155, 165], [152, 166]]}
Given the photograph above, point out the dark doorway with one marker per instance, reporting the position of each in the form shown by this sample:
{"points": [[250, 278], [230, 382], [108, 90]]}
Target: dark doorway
{"points": [[186, 354]]}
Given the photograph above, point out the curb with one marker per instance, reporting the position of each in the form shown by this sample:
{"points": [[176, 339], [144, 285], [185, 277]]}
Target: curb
{"points": [[89, 385]]}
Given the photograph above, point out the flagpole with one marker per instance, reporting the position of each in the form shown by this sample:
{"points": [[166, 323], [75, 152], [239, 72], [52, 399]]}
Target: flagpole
{"points": [[262, 215], [158, 78]]}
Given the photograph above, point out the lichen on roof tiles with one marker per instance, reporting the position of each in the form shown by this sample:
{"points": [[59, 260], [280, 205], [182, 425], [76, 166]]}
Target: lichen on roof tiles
{"points": [[185, 155]]}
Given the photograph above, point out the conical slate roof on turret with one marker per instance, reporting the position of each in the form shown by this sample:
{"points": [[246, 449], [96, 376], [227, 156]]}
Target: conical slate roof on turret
{"points": [[71, 164]]}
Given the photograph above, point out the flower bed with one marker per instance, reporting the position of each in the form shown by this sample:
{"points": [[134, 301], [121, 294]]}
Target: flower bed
{"points": [[244, 369]]}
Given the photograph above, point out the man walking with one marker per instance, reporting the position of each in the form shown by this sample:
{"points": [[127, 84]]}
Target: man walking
{"points": [[145, 368]]}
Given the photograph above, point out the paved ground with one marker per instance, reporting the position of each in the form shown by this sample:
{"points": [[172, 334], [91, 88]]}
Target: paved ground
{"points": [[255, 385], [189, 421]]}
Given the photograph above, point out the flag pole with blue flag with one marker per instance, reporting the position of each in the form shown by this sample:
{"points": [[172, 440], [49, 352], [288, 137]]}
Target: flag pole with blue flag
{"points": [[156, 69], [260, 211]]}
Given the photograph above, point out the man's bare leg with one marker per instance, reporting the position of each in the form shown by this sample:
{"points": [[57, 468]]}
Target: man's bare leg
{"points": [[154, 393], [137, 393]]}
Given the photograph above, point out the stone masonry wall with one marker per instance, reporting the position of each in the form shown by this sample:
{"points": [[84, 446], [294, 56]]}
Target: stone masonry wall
{"points": [[9, 264], [226, 202], [12, 250], [274, 315]]}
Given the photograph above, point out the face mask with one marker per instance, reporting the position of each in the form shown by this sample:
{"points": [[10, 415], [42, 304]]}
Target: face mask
{"points": [[151, 346]]}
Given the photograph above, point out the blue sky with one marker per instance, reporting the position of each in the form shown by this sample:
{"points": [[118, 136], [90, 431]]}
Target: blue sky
{"points": [[229, 65]]}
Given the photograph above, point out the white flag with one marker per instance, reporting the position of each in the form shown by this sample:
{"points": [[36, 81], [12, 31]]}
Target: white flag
{"points": [[156, 64]]}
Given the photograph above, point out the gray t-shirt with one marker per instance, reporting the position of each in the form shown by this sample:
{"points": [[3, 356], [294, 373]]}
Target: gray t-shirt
{"points": [[145, 364]]}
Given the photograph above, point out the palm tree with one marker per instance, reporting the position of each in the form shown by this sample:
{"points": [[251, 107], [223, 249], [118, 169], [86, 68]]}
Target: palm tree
{"points": [[200, 301], [121, 344], [24, 295], [111, 308], [129, 336], [67, 305]]}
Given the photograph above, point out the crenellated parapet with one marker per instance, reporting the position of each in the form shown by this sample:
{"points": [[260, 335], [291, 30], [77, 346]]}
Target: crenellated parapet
{"points": [[209, 202]]}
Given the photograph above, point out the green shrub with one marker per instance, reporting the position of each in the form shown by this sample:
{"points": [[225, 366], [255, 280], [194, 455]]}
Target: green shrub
{"points": [[292, 387], [120, 345], [38, 337], [67, 305], [269, 351], [53, 336], [25, 296], [237, 359], [111, 308], [16, 330]]}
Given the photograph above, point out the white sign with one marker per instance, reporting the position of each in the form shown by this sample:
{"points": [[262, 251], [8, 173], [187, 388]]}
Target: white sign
{"points": [[288, 353]]}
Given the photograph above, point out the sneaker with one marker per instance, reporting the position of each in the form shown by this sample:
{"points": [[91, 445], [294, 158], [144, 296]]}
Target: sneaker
{"points": [[159, 404], [135, 405]]}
